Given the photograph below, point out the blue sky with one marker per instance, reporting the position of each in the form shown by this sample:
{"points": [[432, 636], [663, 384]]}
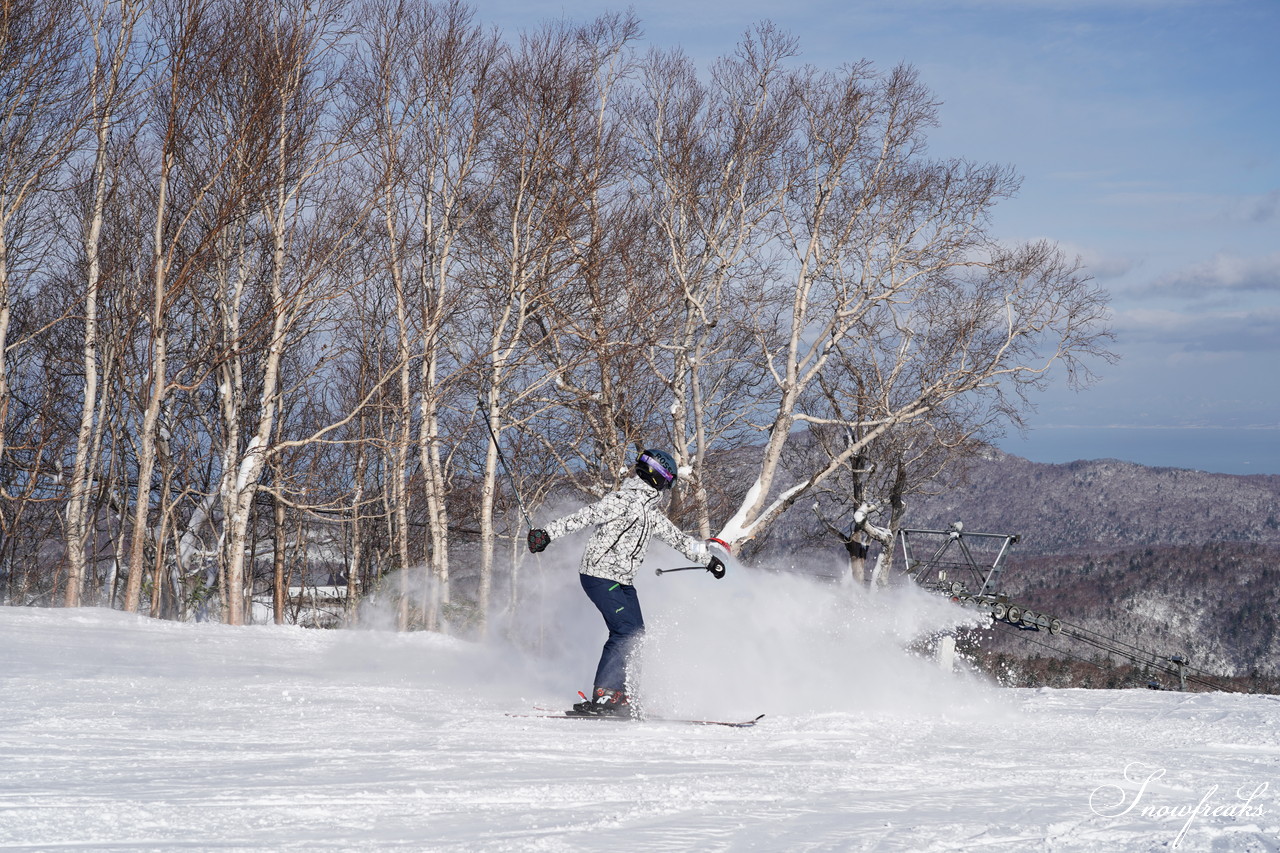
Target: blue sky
{"points": [[1147, 134]]}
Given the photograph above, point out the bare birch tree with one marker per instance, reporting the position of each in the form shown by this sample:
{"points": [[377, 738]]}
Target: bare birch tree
{"points": [[176, 94], [304, 230], [108, 86], [609, 307], [522, 252], [884, 244], [864, 502], [423, 86], [713, 156]]}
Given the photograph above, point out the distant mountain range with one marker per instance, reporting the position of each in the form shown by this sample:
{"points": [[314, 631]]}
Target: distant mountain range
{"points": [[1085, 506]]}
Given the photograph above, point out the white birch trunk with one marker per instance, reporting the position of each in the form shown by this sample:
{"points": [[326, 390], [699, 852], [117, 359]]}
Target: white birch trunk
{"points": [[157, 387], [252, 464], [357, 541], [403, 436], [488, 492], [103, 101], [429, 442], [6, 314], [231, 385]]}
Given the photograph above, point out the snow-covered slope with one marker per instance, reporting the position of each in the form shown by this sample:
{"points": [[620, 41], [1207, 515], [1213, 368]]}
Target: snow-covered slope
{"points": [[120, 733]]}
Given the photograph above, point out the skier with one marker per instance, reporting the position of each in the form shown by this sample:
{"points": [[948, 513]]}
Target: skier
{"points": [[624, 521]]}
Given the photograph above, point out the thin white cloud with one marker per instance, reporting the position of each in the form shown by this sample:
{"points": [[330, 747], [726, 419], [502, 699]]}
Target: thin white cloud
{"points": [[1188, 332], [1221, 274], [1259, 208], [1100, 264], [1145, 325]]}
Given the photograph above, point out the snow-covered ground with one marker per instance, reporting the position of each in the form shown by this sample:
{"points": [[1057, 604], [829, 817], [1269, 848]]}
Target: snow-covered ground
{"points": [[121, 733]]}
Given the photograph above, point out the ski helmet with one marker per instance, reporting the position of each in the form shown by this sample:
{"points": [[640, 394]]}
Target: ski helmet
{"points": [[657, 468]]}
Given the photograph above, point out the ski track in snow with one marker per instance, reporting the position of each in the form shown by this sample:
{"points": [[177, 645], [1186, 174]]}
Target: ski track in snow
{"points": [[119, 733]]}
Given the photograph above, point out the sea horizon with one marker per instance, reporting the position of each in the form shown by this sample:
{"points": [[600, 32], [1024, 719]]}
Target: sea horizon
{"points": [[1221, 450]]}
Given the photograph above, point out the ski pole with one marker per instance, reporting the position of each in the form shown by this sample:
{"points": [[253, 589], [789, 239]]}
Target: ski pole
{"points": [[503, 460], [681, 569]]}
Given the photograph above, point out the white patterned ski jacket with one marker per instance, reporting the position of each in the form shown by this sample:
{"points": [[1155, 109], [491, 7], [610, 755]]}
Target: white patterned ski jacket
{"points": [[625, 520]]}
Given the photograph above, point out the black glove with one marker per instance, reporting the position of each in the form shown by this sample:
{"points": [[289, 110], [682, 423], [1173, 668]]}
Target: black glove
{"points": [[716, 567], [538, 540]]}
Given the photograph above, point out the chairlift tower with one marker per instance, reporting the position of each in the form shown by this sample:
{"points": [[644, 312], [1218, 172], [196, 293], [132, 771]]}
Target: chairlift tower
{"points": [[953, 570]]}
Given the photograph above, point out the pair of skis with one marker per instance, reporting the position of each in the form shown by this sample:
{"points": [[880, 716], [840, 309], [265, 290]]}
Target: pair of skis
{"points": [[564, 715]]}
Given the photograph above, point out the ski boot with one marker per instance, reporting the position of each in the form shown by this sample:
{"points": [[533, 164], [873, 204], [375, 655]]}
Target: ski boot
{"points": [[605, 703]]}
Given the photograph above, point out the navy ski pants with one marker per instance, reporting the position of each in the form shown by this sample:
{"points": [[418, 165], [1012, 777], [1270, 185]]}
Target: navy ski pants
{"points": [[620, 607]]}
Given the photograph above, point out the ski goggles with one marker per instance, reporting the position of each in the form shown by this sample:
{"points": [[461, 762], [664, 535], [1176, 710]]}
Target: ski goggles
{"points": [[658, 468]]}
